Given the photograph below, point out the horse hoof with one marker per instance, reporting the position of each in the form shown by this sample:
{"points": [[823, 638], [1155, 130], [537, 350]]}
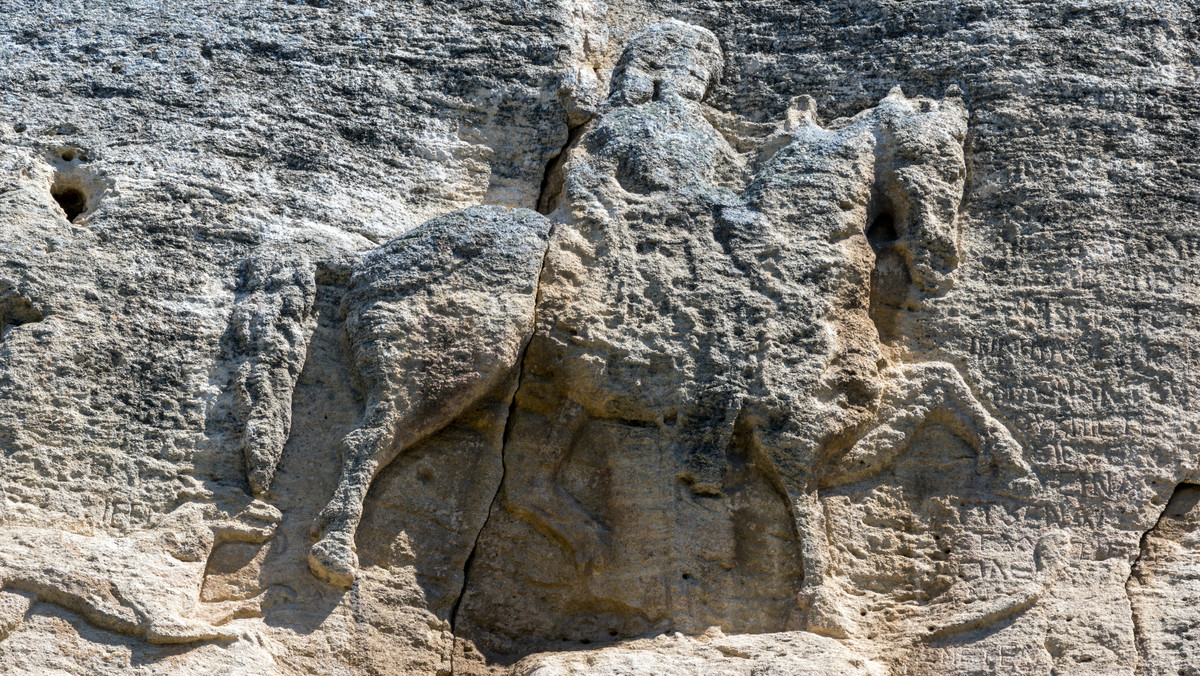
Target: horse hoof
{"points": [[334, 562]]}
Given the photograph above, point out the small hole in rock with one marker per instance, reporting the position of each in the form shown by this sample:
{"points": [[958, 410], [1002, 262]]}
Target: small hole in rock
{"points": [[882, 231], [72, 200], [890, 280], [686, 576], [19, 127], [67, 155]]}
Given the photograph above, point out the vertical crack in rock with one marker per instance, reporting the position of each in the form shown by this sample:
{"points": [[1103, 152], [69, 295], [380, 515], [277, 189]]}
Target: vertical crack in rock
{"points": [[492, 506], [447, 307], [512, 405], [1138, 630], [1143, 545], [466, 578], [552, 179]]}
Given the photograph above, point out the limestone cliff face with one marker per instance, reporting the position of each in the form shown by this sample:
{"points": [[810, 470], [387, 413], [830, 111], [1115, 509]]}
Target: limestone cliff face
{"points": [[599, 338]]}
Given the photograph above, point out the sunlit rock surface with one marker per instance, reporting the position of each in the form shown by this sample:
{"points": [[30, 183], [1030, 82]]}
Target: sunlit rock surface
{"points": [[599, 338]]}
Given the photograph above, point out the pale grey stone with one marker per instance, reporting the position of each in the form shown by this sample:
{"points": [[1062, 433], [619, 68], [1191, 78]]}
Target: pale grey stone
{"points": [[853, 337]]}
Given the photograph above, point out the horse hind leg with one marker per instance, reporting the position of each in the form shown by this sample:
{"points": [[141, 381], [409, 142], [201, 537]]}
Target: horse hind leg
{"points": [[825, 613], [333, 556]]}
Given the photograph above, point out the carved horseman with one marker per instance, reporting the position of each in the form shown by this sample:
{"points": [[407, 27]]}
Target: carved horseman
{"points": [[881, 191], [787, 264], [781, 271]]}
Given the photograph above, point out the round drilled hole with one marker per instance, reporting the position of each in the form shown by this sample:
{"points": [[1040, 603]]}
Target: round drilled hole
{"points": [[68, 154]]}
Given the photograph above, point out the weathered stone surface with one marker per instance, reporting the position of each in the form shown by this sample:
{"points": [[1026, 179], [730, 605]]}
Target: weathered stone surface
{"points": [[854, 337], [794, 654], [1165, 587], [433, 322]]}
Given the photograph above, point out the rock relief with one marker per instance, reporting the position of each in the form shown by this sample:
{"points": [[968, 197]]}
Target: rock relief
{"points": [[704, 321], [701, 302], [434, 320]]}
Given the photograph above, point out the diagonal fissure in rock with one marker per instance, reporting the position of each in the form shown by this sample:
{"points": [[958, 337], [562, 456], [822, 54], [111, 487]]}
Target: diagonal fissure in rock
{"points": [[492, 506], [548, 196]]}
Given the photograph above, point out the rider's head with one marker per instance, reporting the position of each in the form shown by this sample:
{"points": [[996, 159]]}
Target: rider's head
{"points": [[672, 57]]}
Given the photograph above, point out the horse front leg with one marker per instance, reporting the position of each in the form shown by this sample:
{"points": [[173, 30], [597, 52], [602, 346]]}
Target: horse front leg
{"points": [[935, 392], [532, 492]]}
